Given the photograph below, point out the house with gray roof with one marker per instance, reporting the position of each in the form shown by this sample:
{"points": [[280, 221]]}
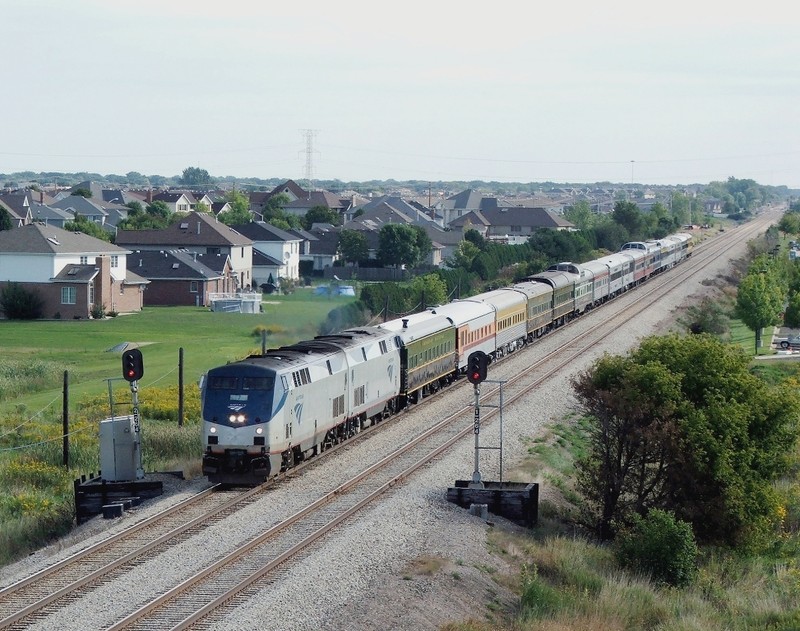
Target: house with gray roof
{"points": [[177, 277], [204, 234], [512, 224], [278, 244], [463, 203], [79, 205], [72, 272]]}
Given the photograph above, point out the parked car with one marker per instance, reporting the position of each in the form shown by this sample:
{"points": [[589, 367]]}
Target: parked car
{"points": [[793, 342]]}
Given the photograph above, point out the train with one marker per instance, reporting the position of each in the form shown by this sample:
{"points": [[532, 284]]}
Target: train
{"points": [[264, 414]]}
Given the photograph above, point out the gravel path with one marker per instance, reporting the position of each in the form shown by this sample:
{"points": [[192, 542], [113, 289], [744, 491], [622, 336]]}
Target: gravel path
{"points": [[413, 561]]}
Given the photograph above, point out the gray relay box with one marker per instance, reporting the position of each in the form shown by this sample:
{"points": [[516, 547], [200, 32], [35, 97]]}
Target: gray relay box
{"points": [[118, 446]]}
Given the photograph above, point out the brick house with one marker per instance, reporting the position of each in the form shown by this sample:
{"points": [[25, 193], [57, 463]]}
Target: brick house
{"points": [[71, 271], [179, 278]]}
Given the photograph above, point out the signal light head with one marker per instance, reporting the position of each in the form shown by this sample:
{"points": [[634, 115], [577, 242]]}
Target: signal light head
{"points": [[477, 367], [132, 365]]}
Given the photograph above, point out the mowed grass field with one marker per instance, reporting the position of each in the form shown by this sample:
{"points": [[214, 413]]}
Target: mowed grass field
{"points": [[89, 350]]}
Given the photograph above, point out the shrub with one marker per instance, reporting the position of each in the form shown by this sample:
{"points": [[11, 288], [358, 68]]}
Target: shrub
{"points": [[661, 546], [20, 304], [98, 311]]}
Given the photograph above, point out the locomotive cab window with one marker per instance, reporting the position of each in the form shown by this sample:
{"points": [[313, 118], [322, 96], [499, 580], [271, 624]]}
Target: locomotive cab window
{"points": [[223, 383]]}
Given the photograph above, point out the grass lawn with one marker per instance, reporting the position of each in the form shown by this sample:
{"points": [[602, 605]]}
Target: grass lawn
{"points": [[84, 347], [744, 337]]}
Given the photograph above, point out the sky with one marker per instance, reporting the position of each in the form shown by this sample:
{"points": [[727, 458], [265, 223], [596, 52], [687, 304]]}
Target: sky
{"points": [[508, 91]]}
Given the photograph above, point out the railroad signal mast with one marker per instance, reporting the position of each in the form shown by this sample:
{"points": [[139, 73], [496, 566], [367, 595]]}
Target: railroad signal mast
{"points": [[477, 368], [132, 371]]}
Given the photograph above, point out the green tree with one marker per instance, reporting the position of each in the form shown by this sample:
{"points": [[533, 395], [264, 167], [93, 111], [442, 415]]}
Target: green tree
{"points": [[760, 297], [155, 216], [707, 317], [240, 209], [580, 213], [82, 224], [681, 208], [789, 224], [464, 255], [661, 546], [682, 425], [628, 215], [353, 246], [475, 237], [430, 289], [397, 245], [194, 176], [321, 214], [18, 303], [274, 206], [423, 243], [5, 220], [82, 192], [791, 317]]}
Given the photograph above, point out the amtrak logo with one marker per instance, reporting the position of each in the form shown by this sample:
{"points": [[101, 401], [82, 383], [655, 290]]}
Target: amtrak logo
{"points": [[298, 411], [390, 371], [236, 407]]}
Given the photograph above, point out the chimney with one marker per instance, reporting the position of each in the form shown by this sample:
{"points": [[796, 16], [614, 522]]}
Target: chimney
{"points": [[198, 227], [41, 197], [149, 198]]}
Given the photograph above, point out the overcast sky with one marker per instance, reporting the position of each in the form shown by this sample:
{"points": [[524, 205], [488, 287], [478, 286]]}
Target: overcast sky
{"points": [[582, 91]]}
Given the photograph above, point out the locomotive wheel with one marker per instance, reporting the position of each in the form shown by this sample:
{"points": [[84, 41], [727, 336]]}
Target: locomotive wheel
{"points": [[287, 459]]}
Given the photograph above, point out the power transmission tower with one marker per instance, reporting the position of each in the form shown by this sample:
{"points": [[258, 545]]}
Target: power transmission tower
{"points": [[309, 134]]}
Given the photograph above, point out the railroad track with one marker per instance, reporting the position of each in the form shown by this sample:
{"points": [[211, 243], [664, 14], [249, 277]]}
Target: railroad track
{"points": [[199, 600]]}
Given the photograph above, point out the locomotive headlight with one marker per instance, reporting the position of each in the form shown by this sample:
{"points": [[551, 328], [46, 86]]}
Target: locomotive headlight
{"points": [[212, 430], [259, 430], [232, 418], [240, 418]]}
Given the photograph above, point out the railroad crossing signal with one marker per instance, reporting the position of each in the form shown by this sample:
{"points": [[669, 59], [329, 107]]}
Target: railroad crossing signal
{"points": [[477, 366], [132, 365]]}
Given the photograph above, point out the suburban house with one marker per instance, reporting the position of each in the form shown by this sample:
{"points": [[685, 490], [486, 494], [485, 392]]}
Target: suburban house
{"points": [[72, 272], [462, 204], [176, 202], [50, 216], [300, 200], [273, 242], [18, 204], [79, 205], [200, 233], [178, 277], [512, 224], [322, 246]]}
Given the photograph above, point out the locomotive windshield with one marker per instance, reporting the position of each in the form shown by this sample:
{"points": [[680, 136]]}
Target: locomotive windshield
{"points": [[238, 396]]}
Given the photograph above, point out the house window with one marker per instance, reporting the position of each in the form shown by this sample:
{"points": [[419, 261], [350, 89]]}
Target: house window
{"points": [[212, 251], [516, 228], [91, 293], [193, 286], [114, 260], [84, 260], [68, 296]]}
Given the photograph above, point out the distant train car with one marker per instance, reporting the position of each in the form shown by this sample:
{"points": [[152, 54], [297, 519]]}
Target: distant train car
{"points": [[428, 353], [510, 319], [601, 280], [563, 284], [475, 327], [539, 315]]}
